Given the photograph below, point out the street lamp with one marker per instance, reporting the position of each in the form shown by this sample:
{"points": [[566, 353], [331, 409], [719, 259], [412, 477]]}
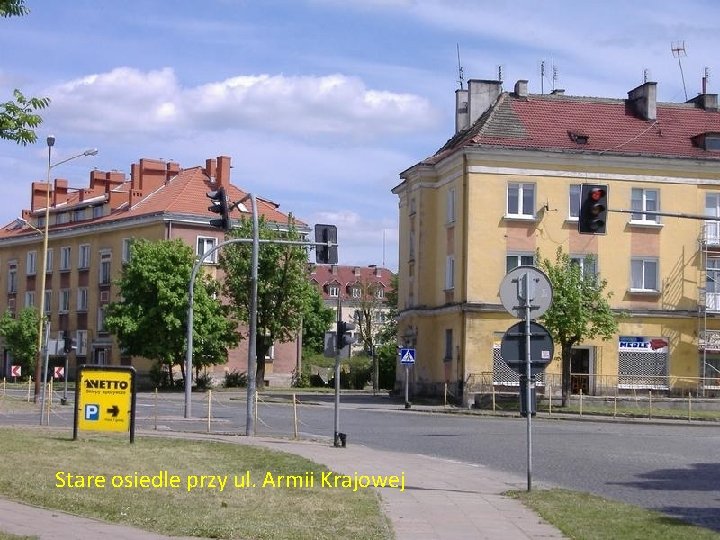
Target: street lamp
{"points": [[43, 268]]}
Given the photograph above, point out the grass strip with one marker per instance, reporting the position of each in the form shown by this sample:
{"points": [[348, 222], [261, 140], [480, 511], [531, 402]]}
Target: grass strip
{"points": [[32, 459], [588, 517]]}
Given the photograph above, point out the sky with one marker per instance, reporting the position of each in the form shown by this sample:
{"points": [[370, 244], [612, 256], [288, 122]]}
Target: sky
{"points": [[321, 104]]}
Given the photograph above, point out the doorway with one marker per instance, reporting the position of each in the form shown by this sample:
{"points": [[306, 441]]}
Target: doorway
{"points": [[580, 364]]}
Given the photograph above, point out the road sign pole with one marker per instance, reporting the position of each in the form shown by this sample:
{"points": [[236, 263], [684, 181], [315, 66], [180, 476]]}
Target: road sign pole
{"points": [[407, 386], [528, 396]]}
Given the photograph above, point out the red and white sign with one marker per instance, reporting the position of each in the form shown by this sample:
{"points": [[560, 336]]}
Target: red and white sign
{"points": [[58, 372], [16, 371]]}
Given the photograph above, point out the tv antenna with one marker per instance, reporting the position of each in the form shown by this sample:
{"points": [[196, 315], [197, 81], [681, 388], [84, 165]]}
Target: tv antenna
{"points": [[678, 51], [705, 79], [646, 75], [555, 76], [542, 76], [500, 70], [461, 76]]}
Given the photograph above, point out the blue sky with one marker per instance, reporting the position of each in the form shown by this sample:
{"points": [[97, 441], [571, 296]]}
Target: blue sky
{"points": [[320, 103]]}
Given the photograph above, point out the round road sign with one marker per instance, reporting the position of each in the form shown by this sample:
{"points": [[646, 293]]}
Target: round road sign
{"points": [[526, 285]]}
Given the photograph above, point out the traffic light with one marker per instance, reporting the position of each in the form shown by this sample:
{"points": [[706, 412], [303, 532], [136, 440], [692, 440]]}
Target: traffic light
{"points": [[220, 206], [325, 254], [593, 209], [344, 334], [69, 344]]}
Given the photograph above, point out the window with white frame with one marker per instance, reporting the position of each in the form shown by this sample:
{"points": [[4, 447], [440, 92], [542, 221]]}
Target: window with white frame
{"points": [[12, 277], [574, 202], [48, 300], [644, 274], [49, 261], [450, 206], [105, 263], [449, 272], [101, 319], [380, 293], [81, 342], [518, 259], [64, 305], [126, 243], [29, 298], [356, 292], [646, 200], [712, 209], [31, 263], [205, 244], [65, 258], [521, 200], [333, 291], [82, 299], [587, 264], [84, 257]]}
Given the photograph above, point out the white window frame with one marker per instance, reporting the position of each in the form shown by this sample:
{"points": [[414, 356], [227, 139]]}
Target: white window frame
{"points": [[12, 277], [574, 201], [519, 260], [642, 263], [48, 301], [65, 258], [126, 244], [105, 268], [640, 201], [449, 272], [356, 292], [581, 261], [82, 299], [333, 291], [31, 263], [64, 301], [84, 256], [521, 189], [29, 298], [81, 342], [101, 319], [49, 261], [450, 206], [203, 244]]}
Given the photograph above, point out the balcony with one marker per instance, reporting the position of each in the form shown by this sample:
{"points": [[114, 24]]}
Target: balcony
{"points": [[709, 340]]}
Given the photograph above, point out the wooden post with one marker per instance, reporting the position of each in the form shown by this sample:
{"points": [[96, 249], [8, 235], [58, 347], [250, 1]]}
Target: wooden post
{"points": [[256, 414], [445, 394], [295, 418], [581, 400], [155, 407], [689, 406], [209, 409], [29, 386], [493, 396], [650, 404], [549, 388], [615, 404]]}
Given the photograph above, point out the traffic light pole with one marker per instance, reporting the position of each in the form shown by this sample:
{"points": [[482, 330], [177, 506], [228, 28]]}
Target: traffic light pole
{"points": [[336, 425]]}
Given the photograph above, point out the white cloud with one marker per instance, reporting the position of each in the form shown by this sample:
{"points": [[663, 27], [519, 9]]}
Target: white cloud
{"points": [[132, 101]]}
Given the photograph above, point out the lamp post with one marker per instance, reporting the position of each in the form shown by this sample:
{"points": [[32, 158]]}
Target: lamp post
{"points": [[43, 268]]}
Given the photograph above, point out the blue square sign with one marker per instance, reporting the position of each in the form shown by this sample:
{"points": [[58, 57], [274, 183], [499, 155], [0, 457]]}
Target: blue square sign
{"points": [[92, 411], [407, 356]]}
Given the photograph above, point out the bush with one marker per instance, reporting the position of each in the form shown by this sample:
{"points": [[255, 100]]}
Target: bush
{"points": [[235, 379], [203, 381]]}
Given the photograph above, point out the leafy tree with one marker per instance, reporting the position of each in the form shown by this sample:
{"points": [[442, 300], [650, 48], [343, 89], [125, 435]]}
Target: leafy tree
{"points": [[21, 337], [150, 317], [283, 288], [18, 117], [316, 321], [580, 310], [387, 338]]}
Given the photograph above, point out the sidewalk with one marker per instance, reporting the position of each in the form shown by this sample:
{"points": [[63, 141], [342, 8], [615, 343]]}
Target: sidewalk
{"points": [[442, 498]]}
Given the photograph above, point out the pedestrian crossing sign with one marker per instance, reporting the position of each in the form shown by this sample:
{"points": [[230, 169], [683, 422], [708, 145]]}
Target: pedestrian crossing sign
{"points": [[407, 356]]}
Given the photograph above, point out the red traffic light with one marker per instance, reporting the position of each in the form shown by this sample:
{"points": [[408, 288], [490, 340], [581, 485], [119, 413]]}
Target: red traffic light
{"points": [[597, 194]]}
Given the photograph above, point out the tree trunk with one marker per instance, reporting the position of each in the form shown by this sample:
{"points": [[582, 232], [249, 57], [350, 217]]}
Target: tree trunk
{"points": [[566, 386], [262, 348]]}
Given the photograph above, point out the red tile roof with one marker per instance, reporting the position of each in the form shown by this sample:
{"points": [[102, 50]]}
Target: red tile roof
{"points": [[326, 274], [543, 122]]}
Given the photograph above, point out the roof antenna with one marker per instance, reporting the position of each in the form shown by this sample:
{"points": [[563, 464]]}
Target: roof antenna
{"points": [[646, 75], [678, 51], [555, 75], [500, 72], [542, 76], [705, 79], [461, 76]]}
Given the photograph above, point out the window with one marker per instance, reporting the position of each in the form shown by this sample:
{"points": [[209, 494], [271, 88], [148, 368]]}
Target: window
{"points": [[205, 244], [48, 305], [105, 260], [448, 344], [333, 291], [84, 257], [49, 261], [413, 206], [29, 298], [12, 277], [82, 299], [98, 211], [356, 292], [101, 319], [81, 342], [644, 275], [31, 263], [380, 293], [513, 261], [574, 203], [79, 214], [450, 206], [449, 272], [646, 200], [64, 305], [64, 259], [62, 218], [587, 264], [521, 200], [126, 243]]}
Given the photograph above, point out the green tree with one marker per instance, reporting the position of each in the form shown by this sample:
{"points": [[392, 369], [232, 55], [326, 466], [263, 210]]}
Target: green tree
{"points": [[580, 310], [150, 317], [18, 117], [283, 287], [387, 338], [21, 337], [316, 321]]}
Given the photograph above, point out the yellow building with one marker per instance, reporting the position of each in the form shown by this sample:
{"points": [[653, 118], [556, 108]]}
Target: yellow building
{"points": [[90, 231], [507, 185]]}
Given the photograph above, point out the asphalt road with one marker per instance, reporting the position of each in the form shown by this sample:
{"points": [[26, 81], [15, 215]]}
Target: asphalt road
{"points": [[672, 468]]}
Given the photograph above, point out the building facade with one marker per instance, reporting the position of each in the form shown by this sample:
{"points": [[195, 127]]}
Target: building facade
{"points": [[506, 187], [90, 232]]}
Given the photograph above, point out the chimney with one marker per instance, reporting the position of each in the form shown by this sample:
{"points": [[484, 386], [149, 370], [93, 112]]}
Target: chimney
{"points": [[210, 168], [482, 95], [558, 92], [59, 194], [38, 198], [643, 101], [462, 118], [521, 88], [708, 102], [222, 178]]}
